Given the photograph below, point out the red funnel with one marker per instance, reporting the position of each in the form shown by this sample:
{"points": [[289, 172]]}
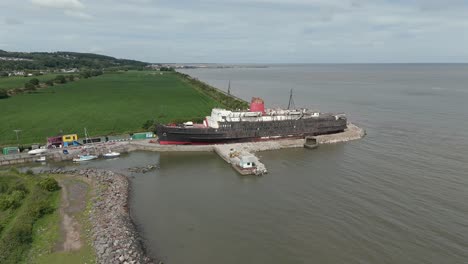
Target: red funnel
{"points": [[257, 105]]}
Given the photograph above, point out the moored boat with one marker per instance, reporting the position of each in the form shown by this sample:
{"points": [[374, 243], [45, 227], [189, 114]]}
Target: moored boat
{"points": [[85, 158], [41, 159], [37, 151], [257, 124], [111, 154], [310, 143]]}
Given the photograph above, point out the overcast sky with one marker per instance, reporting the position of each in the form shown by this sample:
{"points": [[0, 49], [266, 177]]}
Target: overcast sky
{"points": [[242, 31]]}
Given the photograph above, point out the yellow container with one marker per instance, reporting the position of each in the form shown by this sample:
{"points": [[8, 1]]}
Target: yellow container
{"points": [[70, 138]]}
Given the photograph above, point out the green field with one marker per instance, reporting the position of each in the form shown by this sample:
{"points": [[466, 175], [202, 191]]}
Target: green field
{"points": [[7, 83], [112, 103]]}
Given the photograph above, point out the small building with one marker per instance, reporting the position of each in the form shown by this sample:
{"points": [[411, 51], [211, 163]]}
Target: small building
{"points": [[91, 140], [247, 162], [69, 138], [143, 135], [11, 150], [54, 142]]}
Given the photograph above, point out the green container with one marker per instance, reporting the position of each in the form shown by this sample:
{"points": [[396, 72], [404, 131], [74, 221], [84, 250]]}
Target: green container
{"points": [[10, 150], [143, 135]]}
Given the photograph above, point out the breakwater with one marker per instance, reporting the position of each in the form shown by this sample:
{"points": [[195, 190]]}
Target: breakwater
{"points": [[114, 237]]}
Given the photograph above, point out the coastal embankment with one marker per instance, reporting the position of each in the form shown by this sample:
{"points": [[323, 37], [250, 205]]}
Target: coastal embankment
{"points": [[225, 99], [114, 237]]}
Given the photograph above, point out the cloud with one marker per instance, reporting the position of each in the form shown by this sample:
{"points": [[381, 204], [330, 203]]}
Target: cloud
{"points": [[72, 8], [60, 4], [13, 21], [246, 30], [77, 14]]}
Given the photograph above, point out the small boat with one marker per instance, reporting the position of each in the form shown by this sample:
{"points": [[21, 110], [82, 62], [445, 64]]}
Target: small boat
{"points": [[41, 159], [37, 151], [111, 154], [311, 143], [85, 158]]}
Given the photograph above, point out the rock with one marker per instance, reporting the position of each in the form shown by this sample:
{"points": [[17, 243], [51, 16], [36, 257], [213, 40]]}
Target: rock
{"points": [[114, 236]]}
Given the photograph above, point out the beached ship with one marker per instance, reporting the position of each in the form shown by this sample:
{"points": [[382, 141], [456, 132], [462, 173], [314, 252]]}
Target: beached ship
{"points": [[224, 126]]}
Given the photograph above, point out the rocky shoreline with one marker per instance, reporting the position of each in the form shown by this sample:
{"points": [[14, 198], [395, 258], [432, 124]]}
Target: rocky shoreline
{"points": [[114, 235]]}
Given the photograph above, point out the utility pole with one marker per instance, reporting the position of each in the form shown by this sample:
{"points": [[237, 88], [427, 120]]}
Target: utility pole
{"points": [[291, 100], [229, 87], [17, 138]]}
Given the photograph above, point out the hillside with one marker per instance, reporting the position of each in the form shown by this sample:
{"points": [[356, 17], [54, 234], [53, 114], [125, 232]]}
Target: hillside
{"points": [[20, 61]]}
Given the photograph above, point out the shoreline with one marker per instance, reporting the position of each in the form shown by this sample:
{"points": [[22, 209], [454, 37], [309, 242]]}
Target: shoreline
{"points": [[115, 238], [352, 132]]}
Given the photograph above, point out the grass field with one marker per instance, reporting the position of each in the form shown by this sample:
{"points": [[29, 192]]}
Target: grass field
{"points": [[12, 82], [112, 103]]}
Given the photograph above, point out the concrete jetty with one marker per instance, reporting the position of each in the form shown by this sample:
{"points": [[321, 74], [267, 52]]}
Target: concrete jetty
{"points": [[231, 153]]}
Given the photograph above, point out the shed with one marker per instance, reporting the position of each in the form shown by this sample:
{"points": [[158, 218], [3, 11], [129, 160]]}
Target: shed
{"points": [[143, 135], [70, 138], [10, 150], [247, 161], [54, 141]]}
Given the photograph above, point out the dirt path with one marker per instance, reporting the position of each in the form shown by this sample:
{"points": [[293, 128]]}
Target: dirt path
{"points": [[72, 204]]}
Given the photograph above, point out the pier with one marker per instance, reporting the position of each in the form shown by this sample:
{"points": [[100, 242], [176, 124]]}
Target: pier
{"points": [[233, 154]]}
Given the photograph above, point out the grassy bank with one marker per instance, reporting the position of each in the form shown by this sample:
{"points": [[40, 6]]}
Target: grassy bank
{"points": [[48, 234], [25, 201], [223, 98], [112, 103]]}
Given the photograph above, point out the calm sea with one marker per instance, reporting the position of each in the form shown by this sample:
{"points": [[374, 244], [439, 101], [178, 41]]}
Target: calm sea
{"points": [[400, 195]]}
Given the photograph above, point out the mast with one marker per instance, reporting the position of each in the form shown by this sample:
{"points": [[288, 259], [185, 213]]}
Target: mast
{"points": [[291, 100], [92, 143]]}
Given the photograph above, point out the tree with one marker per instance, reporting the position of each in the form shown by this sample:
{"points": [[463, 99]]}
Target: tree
{"points": [[34, 81], [50, 82], [3, 94], [71, 78], [96, 72], [167, 69], [49, 184], [85, 74], [3, 74], [29, 86], [148, 124], [60, 79]]}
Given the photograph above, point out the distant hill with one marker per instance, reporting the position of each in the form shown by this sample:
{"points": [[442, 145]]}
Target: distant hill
{"points": [[12, 61]]}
